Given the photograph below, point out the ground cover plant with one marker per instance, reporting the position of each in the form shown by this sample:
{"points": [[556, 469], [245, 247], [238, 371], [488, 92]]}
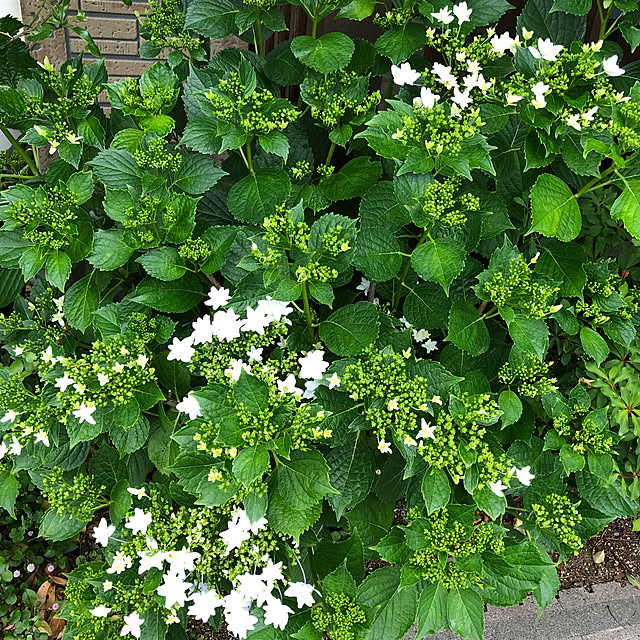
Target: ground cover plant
{"points": [[284, 315]]}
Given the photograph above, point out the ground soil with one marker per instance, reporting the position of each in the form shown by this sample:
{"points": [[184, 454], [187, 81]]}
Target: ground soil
{"points": [[621, 547]]}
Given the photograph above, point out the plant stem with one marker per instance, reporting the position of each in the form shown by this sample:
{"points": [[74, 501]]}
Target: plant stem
{"points": [[307, 311], [259, 35], [332, 148], [15, 176], [21, 152], [316, 14], [249, 159], [405, 271]]}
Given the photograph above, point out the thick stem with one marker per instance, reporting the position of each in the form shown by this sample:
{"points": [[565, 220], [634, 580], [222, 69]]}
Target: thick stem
{"points": [[21, 152], [316, 15], [588, 187], [332, 148], [307, 311]]}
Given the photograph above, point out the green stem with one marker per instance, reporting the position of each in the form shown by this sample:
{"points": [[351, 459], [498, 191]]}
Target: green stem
{"points": [[15, 176], [316, 14], [259, 30], [21, 152], [590, 186], [307, 311], [405, 271], [604, 21], [332, 148], [249, 159]]}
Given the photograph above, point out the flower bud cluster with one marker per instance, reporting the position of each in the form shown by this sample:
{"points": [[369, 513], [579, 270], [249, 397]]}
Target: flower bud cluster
{"points": [[531, 377], [559, 515], [339, 616]]}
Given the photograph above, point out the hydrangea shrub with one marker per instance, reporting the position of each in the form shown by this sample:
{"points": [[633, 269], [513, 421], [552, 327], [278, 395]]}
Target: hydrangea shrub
{"points": [[321, 339]]}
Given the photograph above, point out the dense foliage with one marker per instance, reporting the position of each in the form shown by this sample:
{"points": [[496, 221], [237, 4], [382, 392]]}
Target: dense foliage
{"points": [[265, 326]]}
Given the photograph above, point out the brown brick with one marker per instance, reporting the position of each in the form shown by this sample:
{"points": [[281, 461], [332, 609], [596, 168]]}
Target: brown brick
{"points": [[127, 68], [116, 28], [107, 47]]}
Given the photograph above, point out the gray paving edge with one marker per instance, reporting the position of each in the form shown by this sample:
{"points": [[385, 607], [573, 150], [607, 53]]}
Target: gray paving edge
{"points": [[608, 612]]}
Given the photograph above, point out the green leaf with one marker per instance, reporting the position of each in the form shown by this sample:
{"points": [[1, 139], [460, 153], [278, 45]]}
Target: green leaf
{"points": [[116, 168], [197, 173], [377, 254], [351, 329], [351, 473], [467, 329], [340, 581], [594, 344], [560, 27], [563, 263], [627, 207], [436, 490], [58, 269], [528, 334], [395, 614], [9, 488], [511, 407], [57, 527], [11, 284], [357, 9], [251, 392], [201, 134], [605, 497], [571, 460], [465, 611], [432, 610], [304, 479], [176, 296], [81, 185], [255, 197], [119, 501], [487, 501], [399, 43], [554, 209], [275, 142], [575, 7], [251, 463], [284, 517], [211, 18], [326, 54], [352, 180], [110, 251], [163, 263], [426, 306], [81, 302], [440, 260]]}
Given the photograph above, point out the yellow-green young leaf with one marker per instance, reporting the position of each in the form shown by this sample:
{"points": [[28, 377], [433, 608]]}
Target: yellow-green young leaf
{"points": [[326, 54], [467, 329], [594, 344], [439, 260], [176, 296], [554, 209], [340, 581], [627, 207], [250, 464], [511, 407]]}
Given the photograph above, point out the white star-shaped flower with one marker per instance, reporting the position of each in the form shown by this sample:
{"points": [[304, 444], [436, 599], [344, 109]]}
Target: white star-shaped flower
{"points": [[524, 475], [404, 74], [63, 382], [142, 361], [227, 325], [611, 68], [139, 493], [15, 448], [302, 592], [272, 572], [426, 430], [101, 611], [174, 589], [498, 488], [203, 331], [139, 521], [288, 385], [313, 365], [204, 604], [546, 50], [103, 379], [334, 380], [42, 436], [364, 286], [426, 99], [384, 447], [256, 321], [103, 532], [218, 298], [132, 624], [276, 613], [84, 413], [190, 406], [462, 12], [121, 562], [255, 354], [181, 349], [444, 15]]}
